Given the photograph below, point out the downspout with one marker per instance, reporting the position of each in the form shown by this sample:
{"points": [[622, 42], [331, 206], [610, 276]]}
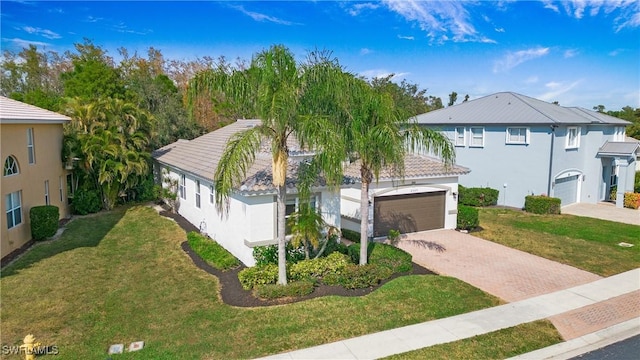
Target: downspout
{"points": [[553, 138]]}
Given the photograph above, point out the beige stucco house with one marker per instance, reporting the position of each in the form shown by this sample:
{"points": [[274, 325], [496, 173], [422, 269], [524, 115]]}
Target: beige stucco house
{"points": [[33, 172]]}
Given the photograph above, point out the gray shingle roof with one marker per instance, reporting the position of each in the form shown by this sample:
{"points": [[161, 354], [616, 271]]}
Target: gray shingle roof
{"points": [[16, 112], [201, 155], [415, 166], [620, 148], [512, 108]]}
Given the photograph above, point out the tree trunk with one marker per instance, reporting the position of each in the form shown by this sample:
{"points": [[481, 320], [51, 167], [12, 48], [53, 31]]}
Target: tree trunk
{"points": [[282, 243], [364, 220]]}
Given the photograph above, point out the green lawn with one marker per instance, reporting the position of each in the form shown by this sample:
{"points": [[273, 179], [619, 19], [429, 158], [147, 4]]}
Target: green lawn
{"points": [[586, 243], [121, 277]]}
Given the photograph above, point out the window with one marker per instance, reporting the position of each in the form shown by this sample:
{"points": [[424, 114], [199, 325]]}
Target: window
{"points": [[198, 193], [619, 133], [477, 137], [460, 136], [61, 189], [519, 135], [182, 187], [71, 187], [30, 147], [46, 193], [11, 166], [292, 206], [211, 194], [573, 137], [14, 209]]}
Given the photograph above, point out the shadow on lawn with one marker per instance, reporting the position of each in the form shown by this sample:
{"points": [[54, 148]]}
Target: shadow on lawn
{"points": [[81, 231]]}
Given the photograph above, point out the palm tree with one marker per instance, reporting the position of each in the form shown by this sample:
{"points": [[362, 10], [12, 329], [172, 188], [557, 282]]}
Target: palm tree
{"points": [[272, 89], [373, 132]]}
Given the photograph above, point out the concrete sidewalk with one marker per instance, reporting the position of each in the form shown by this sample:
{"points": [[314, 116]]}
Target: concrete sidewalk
{"points": [[604, 211], [413, 337]]}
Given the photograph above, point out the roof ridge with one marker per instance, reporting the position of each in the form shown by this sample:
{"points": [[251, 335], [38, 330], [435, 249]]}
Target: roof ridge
{"points": [[519, 97]]}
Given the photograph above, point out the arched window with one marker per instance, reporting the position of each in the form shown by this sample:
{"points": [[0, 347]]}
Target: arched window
{"points": [[10, 166]]}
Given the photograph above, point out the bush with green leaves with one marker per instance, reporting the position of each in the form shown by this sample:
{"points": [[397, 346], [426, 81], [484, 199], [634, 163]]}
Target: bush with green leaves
{"points": [[351, 235], [44, 221], [397, 260], [268, 254], [212, 252], [292, 289], [538, 204], [86, 202], [334, 263], [359, 276], [477, 196], [636, 185], [258, 275], [467, 218], [146, 190]]}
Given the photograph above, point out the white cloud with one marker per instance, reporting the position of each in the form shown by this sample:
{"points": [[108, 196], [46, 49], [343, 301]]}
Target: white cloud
{"points": [[382, 73], [365, 51], [513, 59], [93, 19], [122, 28], [22, 43], [555, 89], [405, 37], [442, 20], [570, 53], [627, 12], [42, 32], [358, 8], [548, 4], [615, 52], [500, 30], [262, 17], [531, 79]]}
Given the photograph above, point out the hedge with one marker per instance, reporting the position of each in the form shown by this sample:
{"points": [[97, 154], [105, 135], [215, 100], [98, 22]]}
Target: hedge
{"points": [[212, 252], [541, 204], [631, 200], [477, 196], [467, 218], [44, 221], [86, 202], [351, 235]]}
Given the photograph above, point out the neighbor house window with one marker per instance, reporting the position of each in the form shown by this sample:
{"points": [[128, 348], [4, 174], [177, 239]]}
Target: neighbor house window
{"points": [[30, 147], [517, 135], [11, 166], [14, 209], [198, 193], [477, 137], [61, 189], [292, 206], [619, 133], [573, 137], [71, 188], [47, 201], [182, 187], [211, 194], [460, 136]]}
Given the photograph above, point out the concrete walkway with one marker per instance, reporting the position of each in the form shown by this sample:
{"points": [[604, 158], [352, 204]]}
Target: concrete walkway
{"points": [[408, 338], [604, 211]]}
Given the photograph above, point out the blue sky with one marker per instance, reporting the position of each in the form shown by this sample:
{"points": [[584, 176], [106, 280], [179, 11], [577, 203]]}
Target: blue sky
{"points": [[580, 53]]}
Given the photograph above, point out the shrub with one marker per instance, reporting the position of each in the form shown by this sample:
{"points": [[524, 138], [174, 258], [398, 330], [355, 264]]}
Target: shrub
{"points": [[212, 252], [467, 218], [631, 200], [393, 236], [397, 260], [268, 254], [359, 276], [351, 235], [146, 190], [86, 202], [478, 196], [334, 246], [636, 185], [292, 289], [541, 204], [334, 263], [258, 275], [44, 221]]}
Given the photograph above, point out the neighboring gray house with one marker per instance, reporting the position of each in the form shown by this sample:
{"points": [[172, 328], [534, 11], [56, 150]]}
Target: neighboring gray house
{"points": [[522, 146]]}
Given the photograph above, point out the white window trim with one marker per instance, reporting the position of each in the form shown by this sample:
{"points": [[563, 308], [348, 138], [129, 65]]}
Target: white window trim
{"points": [[472, 137], [182, 186], [47, 199], [198, 194], [61, 190], [619, 134], [211, 195], [457, 137], [31, 150], [12, 210], [527, 135], [15, 166], [568, 144]]}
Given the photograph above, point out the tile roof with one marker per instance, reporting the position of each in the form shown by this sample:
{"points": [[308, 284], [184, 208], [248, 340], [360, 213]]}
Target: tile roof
{"points": [[415, 166], [619, 148], [512, 108], [16, 112], [201, 155]]}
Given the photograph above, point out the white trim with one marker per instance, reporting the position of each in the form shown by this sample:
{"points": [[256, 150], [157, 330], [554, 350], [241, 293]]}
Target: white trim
{"points": [[457, 136], [182, 186], [9, 198], [524, 141], [473, 136], [47, 200], [31, 148], [573, 144], [619, 134], [197, 192], [211, 194]]}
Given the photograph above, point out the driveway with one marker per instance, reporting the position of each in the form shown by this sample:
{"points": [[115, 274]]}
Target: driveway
{"points": [[604, 211], [509, 274]]}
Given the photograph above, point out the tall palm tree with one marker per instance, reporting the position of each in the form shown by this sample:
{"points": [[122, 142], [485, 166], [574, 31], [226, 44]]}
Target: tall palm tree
{"points": [[272, 89]]}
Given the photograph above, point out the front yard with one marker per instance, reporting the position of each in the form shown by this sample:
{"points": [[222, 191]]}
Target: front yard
{"points": [[586, 243], [121, 277]]}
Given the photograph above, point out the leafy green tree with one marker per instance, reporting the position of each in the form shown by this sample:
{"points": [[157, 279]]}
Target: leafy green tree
{"points": [[453, 97], [632, 115], [408, 97], [271, 89]]}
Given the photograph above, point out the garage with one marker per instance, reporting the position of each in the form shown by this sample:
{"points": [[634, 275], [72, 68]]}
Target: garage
{"points": [[566, 189], [408, 212]]}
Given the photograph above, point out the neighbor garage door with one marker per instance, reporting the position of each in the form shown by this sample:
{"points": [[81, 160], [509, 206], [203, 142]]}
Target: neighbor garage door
{"points": [[408, 213], [566, 189]]}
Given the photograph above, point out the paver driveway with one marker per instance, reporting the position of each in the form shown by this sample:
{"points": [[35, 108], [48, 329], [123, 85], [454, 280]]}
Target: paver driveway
{"points": [[507, 273]]}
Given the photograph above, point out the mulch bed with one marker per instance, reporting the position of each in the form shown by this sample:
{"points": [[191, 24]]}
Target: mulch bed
{"points": [[233, 294]]}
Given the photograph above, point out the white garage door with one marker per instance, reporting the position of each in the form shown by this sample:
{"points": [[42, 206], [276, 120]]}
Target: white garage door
{"points": [[566, 189]]}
